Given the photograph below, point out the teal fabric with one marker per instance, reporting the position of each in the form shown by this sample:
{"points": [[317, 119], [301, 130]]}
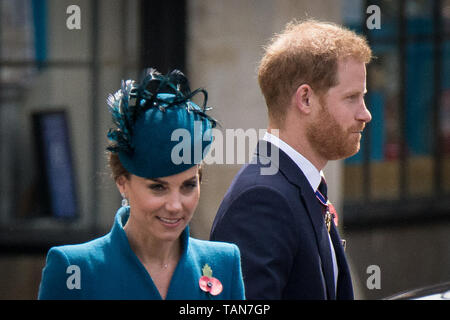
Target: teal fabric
{"points": [[109, 269], [167, 142]]}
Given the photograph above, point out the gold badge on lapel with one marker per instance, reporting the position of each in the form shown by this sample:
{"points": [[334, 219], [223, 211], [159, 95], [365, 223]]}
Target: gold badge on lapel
{"points": [[328, 220], [344, 243]]}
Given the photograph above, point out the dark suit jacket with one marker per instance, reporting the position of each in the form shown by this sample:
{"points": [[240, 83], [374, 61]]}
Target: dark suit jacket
{"points": [[277, 222]]}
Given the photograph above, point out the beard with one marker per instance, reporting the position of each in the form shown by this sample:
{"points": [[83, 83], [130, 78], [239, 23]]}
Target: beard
{"points": [[330, 140]]}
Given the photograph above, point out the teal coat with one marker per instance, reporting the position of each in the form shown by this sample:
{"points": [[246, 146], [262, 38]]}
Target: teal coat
{"points": [[107, 268]]}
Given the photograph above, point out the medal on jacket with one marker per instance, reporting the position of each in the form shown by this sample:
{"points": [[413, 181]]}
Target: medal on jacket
{"points": [[328, 220], [330, 211]]}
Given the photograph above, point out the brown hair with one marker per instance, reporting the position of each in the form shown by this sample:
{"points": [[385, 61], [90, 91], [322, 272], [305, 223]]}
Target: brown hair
{"points": [[116, 166], [306, 52]]}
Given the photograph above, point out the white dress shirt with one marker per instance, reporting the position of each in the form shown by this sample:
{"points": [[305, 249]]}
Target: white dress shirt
{"points": [[313, 176]]}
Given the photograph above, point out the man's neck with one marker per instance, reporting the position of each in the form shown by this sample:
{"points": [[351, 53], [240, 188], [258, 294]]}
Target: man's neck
{"points": [[299, 143]]}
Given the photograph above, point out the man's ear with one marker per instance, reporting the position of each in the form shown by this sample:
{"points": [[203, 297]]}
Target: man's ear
{"points": [[302, 98]]}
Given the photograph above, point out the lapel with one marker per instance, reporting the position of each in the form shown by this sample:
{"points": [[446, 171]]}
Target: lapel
{"points": [[315, 213], [344, 283], [295, 176], [183, 278]]}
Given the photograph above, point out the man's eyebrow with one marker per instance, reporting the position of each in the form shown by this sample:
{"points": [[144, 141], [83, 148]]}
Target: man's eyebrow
{"points": [[353, 92]]}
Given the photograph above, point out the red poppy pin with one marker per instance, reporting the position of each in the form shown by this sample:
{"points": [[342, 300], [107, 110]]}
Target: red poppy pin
{"points": [[208, 283]]}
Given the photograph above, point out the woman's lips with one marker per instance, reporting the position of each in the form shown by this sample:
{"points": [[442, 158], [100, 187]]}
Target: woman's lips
{"points": [[170, 222]]}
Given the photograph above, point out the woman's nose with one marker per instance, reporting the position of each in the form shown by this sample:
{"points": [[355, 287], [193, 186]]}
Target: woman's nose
{"points": [[173, 203]]}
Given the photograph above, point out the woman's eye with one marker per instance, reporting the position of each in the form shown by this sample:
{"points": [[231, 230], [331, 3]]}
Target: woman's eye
{"points": [[190, 185], [157, 187]]}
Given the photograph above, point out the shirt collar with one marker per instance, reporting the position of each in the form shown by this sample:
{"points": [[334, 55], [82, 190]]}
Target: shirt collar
{"points": [[311, 173]]}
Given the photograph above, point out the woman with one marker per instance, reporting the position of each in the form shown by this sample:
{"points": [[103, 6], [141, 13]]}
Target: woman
{"points": [[148, 254]]}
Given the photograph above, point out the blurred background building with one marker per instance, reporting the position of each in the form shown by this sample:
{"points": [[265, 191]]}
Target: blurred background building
{"points": [[59, 60]]}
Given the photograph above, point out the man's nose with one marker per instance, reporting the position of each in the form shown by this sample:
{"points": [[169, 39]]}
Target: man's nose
{"points": [[364, 113]]}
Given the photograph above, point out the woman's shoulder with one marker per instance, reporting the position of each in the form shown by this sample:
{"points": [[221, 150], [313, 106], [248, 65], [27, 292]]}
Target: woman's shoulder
{"points": [[216, 248], [70, 267], [223, 261], [72, 253]]}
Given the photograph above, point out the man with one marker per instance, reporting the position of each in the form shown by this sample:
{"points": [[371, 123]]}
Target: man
{"points": [[313, 78]]}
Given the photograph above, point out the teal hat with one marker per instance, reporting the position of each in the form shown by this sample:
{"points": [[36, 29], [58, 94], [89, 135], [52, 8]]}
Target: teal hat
{"points": [[159, 130]]}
